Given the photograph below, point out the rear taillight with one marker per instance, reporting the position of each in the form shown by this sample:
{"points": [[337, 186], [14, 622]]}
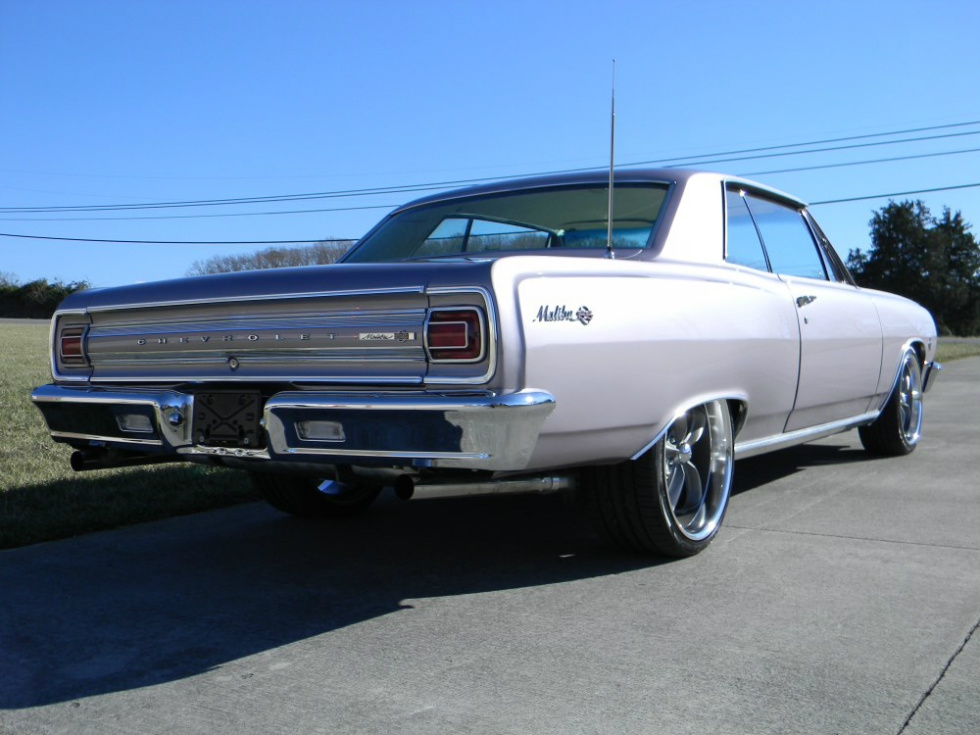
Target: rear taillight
{"points": [[454, 335], [71, 349]]}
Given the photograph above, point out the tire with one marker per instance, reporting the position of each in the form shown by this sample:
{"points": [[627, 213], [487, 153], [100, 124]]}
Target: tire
{"points": [[299, 495], [896, 431], [672, 499]]}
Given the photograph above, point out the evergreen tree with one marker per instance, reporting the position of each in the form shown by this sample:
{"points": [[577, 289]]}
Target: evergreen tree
{"points": [[935, 261]]}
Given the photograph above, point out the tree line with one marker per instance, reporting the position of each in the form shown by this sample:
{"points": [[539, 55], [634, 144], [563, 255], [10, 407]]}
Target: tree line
{"points": [[35, 300]]}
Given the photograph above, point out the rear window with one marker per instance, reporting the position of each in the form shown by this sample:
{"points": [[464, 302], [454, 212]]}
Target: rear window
{"points": [[534, 219]]}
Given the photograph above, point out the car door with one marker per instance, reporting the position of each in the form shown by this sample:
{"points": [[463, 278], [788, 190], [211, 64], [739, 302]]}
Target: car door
{"points": [[840, 334]]}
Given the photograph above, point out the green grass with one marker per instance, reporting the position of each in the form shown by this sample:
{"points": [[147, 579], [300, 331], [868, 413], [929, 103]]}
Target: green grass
{"points": [[42, 499], [947, 351]]}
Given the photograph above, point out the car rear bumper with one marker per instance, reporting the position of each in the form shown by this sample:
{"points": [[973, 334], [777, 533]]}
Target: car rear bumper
{"points": [[481, 431]]}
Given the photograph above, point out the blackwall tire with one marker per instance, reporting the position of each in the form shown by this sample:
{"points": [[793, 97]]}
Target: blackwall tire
{"points": [[672, 499], [898, 427], [299, 495]]}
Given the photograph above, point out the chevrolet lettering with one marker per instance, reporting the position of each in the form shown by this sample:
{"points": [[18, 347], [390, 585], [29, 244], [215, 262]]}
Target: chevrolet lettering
{"points": [[450, 352]]}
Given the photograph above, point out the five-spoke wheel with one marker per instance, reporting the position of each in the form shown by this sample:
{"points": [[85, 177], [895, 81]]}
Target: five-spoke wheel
{"points": [[896, 430], [672, 499]]}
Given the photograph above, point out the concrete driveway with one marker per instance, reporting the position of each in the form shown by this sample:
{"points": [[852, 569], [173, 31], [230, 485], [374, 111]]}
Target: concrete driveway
{"points": [[842, 595]]}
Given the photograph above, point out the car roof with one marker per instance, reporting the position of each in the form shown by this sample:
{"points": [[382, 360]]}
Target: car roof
{"points": [[671, 176]]}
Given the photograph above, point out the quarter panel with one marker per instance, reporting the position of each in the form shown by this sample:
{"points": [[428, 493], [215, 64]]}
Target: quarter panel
{"points": [[660, 337]]}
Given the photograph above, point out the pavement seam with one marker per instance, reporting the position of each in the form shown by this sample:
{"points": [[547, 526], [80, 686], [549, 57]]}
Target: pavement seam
{"points": [[853, 538], [928, 692]]}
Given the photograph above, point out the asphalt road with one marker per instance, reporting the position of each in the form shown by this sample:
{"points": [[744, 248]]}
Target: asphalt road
{"points": [[842, 596]]}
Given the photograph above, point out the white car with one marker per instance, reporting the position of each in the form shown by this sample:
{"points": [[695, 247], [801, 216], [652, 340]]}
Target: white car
{"points": [[509, 337]]}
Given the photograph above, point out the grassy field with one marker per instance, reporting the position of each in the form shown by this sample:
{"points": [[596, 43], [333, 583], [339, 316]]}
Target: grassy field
{"points": [[42, 499]]}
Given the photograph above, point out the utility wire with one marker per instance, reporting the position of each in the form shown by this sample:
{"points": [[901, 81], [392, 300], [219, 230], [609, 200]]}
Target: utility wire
{"points": [[393, 206], [430, 186], [180, 242], [861, 163], [195, 216], [332, 240], [895, 194]]}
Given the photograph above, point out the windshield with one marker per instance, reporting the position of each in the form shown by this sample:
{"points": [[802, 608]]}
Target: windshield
{"points": [[564, 217]]}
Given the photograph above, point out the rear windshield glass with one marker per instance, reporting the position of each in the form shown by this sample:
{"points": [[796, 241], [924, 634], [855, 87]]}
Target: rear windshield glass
{"points": [[567, 217]]}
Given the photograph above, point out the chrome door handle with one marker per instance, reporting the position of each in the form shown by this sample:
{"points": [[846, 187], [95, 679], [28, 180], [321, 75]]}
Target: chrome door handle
{"points": [[802, 301]]}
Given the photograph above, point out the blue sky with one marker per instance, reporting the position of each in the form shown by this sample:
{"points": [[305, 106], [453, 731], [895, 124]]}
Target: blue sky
{"points": [[137, 102]]}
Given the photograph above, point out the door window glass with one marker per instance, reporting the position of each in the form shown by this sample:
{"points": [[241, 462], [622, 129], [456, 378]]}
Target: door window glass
{"points": [[787, 239], [742, 246]]}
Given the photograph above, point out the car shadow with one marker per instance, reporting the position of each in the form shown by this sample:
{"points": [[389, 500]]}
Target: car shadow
{"points": [[160, 602], [149, 604], [757, 471]]}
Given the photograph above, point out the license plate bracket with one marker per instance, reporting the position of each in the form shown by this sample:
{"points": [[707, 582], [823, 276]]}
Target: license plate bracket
{"points": [[228, 419]]}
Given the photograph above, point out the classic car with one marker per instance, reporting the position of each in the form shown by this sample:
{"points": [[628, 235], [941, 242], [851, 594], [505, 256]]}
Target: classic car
{"points": [[524, 336]]}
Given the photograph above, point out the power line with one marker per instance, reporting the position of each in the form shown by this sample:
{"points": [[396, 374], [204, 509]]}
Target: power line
{"points": [[335, 240], [394, 206], [430, 186], [862, 163], [895, 194], [722, 153], [195, 216], [811, 150], [180, 242]]}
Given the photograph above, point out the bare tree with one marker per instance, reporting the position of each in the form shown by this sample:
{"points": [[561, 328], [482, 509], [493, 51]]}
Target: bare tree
{"points": [[321, 253]]}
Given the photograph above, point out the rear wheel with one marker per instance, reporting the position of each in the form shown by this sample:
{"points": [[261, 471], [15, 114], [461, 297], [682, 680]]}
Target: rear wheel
{"points": [[300, 495], [671, 500], [897, 429]]}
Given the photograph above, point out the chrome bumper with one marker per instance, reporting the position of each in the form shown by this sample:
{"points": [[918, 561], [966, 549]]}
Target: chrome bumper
{"points": [[474, 431]]}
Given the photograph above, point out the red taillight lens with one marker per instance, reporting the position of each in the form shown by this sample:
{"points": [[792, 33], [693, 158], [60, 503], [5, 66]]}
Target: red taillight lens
{"points": [[454, 334], [71, 350]]}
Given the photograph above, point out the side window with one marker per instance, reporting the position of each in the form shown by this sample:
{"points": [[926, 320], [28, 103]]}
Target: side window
{"points": [[742, 244], [447, 237], [787, 239], [486, 235], [835, 265]]}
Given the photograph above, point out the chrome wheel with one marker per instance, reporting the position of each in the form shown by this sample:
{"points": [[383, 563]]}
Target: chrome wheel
{"points": [[697, 469], [898, 427], [910, 400]]}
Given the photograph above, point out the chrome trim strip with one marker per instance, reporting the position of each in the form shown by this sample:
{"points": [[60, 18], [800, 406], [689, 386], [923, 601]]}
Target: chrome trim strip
{"points": [[259, 297], [291, 378], [388, 402], [684, 409], [789, 439]]}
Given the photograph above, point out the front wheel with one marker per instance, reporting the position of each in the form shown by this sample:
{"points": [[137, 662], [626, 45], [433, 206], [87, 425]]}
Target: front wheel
{"points": [[897, 429], [672, 499], [300, 495]]}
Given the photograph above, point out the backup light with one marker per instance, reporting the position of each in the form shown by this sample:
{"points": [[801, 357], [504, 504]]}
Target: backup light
{"points": [[320, 431], [136, 422]]}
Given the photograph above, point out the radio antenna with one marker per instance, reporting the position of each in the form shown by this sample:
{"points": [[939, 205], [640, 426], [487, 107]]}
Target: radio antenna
{"points": [[612, 149]]}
